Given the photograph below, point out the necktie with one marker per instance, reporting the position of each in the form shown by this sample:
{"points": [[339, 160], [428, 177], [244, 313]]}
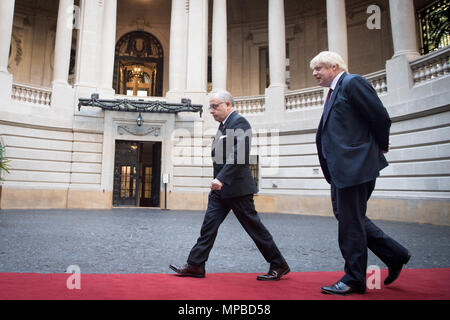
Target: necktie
{"points": [[326, 105], [324, 117], [215, 142]]}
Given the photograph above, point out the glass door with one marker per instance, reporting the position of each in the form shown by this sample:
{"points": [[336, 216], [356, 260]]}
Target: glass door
{"points": [[125, 191]]}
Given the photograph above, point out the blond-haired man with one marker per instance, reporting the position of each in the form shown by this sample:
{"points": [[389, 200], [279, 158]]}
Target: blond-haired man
{"points": [[352, 138]]}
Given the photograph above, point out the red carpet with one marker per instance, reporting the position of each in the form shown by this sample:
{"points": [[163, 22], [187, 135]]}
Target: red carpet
{"points": [[413, 284]]}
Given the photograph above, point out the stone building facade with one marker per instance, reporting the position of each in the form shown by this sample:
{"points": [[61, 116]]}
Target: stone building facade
{"points": [[52, 53]]}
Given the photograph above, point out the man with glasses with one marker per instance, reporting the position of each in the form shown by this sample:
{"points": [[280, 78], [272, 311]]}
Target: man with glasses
{"points": [[232, 188]]}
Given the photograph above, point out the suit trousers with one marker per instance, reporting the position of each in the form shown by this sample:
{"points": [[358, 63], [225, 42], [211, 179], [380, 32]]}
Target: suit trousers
{"points": [[244, 210], [357, 233]]}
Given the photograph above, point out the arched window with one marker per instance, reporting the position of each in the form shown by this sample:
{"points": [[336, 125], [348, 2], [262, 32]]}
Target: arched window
{"points": [[138, 66]]}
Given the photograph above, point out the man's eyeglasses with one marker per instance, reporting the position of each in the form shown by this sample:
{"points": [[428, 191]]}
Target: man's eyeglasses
{"points": [[215, 105]]}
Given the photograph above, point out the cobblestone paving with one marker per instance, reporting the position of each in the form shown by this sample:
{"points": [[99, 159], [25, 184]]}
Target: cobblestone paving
{"points": [[148, 240]]}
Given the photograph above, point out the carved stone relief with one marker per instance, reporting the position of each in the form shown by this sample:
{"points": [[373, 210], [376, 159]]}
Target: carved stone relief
{"points": [[15, 52], [138, 131]]}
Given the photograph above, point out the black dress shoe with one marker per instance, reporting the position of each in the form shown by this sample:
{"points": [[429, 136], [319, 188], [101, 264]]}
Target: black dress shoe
{"points": [[274, 274], [394, 271], [189, 270], [340, 288]]}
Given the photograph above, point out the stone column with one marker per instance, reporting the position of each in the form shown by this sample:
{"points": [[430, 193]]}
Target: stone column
{"points": [[88, 48], [63, 42], [403, 28], [62, 92], [277, 44], [399, 75], [219, 45], [337, 28], [197, 48], [274, 94], [108, 47], [177, 54], [6, 23]]}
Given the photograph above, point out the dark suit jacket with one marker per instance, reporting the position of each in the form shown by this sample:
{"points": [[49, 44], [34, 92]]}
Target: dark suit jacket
{"points": [[231, 153], [355, 132]]}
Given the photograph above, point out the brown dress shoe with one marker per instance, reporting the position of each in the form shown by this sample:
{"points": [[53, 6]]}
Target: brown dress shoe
{"points": [[274, 274], [189, 270]]}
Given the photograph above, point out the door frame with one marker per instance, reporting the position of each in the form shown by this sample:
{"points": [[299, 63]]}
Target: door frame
{"points": [[132, 182], [136, 173], [117, 125]]}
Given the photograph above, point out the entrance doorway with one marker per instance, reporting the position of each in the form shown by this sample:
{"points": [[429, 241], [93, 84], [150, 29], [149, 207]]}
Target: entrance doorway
{"points": [[137, 174]]}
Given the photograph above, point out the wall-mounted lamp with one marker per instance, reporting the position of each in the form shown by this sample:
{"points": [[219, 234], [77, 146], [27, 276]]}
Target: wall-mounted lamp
{"points": [[139, 120]]}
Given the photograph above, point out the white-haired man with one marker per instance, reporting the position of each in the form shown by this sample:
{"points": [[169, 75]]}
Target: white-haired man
{"points": [[232, 188], [352, 137]]}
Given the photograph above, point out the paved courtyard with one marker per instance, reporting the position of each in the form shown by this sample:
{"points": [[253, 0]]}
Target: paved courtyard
{"points": [[125, 240]]}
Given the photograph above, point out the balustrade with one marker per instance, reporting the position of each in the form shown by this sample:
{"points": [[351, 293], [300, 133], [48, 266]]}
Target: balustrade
{"points": [[31, 94], [431, 66]]}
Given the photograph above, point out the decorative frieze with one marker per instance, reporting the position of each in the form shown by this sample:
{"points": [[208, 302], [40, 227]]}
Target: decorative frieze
{"points": [[138, 130]]}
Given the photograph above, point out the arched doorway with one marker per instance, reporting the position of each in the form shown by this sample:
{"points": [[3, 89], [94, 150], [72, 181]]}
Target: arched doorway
{"points": [[138, 66]]}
